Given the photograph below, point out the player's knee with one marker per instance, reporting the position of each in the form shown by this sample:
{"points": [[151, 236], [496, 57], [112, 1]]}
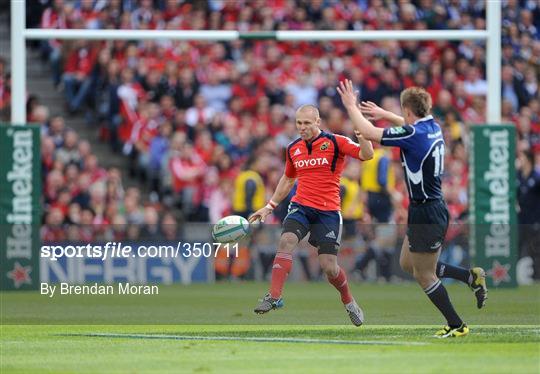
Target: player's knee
{"points": [[331, 271], [329, 267], [424, 278], [287, 242]]}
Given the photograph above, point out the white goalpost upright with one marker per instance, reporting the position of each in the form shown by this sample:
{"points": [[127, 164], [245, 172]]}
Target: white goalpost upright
{"points": [[19, 35]]}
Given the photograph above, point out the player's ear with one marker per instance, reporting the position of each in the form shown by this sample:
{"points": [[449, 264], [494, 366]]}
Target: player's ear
{"points": [[406, 113]]}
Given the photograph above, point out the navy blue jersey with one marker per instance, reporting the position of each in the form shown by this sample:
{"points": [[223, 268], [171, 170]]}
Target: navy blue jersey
{"points": [[422, 156]]}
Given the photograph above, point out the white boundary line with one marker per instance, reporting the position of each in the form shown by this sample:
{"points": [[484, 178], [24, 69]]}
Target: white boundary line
{"points": [[247, 339]]}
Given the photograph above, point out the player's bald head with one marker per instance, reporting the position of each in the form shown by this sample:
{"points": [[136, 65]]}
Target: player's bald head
{"points": [[308, 110], [308, 121]]}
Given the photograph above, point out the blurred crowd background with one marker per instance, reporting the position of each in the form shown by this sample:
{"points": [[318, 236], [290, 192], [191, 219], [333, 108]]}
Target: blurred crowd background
{"points": [[204, 125]]}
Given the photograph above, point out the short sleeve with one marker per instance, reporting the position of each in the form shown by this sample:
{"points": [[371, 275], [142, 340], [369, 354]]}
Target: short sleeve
{"points": [[348, 147], [402, 136], [290, 171]]}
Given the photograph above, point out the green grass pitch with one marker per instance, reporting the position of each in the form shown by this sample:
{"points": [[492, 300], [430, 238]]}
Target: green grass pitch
{"points": [[211, 329]]}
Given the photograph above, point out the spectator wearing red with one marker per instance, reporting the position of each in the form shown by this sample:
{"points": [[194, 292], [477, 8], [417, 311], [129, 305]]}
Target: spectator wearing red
{"points": [[87, 15], [53, 230], [77, 80], [54, 18], [129, 93], [47, 154], [143, 134], [96, 172], [188, 170]]}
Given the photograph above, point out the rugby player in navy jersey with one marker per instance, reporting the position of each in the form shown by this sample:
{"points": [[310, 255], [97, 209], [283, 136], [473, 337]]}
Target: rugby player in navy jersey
{"points": [[422, 148]]}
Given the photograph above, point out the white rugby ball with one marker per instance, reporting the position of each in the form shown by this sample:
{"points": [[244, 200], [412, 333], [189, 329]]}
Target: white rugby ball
{"points": [[230, 229]]}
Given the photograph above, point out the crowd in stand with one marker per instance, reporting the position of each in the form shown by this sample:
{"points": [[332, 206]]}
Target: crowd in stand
{"points": [[189, 115], [83, 201]]}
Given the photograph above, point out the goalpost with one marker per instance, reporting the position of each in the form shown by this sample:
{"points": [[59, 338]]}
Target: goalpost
{"points": [[492, 185], [19, 35]]}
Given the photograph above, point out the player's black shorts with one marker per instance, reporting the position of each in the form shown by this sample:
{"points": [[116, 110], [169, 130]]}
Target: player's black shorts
{"points": [[323, 226], [427, 225]]}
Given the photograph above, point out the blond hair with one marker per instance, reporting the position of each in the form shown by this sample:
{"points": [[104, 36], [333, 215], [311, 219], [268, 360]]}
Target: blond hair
{"points": [[417, 100]]}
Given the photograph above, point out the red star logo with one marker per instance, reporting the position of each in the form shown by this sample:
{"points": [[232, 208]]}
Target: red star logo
{"points": [[499, 273], [20, 275]]}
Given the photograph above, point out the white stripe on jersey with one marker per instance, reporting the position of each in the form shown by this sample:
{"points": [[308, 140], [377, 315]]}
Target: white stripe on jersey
{"points": [[418, 177]]}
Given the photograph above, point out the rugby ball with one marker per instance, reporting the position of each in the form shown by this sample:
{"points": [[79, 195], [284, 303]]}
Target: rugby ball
{"points": [[230, 229]]}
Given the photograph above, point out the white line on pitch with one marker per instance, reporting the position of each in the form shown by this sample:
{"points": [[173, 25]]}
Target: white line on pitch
{"points": [[248, 339]]}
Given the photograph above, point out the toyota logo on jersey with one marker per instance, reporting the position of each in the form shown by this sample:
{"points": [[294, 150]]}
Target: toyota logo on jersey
{"points": [[311, 162]]}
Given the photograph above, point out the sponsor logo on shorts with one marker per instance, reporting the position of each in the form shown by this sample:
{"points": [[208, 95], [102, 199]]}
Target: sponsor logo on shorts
{"points": [[331, 235], [436, 245]]}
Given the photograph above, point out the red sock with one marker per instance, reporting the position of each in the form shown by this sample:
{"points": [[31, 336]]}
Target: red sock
{"points": [[281, 268], [341, 284]]}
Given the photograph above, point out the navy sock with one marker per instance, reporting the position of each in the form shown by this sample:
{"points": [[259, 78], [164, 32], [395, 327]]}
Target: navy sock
{"points": [[438, 296], [454, 272]]}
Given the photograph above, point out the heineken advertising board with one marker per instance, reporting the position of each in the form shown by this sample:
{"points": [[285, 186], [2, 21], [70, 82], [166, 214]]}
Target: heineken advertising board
{"points": [[20, 206], [493, 239]]}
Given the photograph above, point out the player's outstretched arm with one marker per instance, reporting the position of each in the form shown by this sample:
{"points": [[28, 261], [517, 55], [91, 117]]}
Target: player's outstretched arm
{"points": [[366, 148], [282, 190], [360, 123], [374, 112]]}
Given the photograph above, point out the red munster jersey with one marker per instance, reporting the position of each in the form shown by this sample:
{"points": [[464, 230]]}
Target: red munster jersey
{"points": [[318, 165]]}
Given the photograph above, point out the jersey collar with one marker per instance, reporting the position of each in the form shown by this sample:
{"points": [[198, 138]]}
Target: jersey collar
{"points": [[426, 118], [315, 138], [309, 145]]}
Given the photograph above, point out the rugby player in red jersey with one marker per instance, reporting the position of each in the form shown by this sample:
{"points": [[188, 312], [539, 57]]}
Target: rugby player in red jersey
{"points": [[315, 161]]}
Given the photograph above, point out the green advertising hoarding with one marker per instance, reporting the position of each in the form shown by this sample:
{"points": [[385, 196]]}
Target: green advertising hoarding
{"points": [[492, 188], [20, 206]]}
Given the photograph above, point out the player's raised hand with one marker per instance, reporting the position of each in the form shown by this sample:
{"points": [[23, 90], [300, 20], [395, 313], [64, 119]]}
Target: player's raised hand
{"points": [[260, 215], [347, 93], [371, 110]]}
